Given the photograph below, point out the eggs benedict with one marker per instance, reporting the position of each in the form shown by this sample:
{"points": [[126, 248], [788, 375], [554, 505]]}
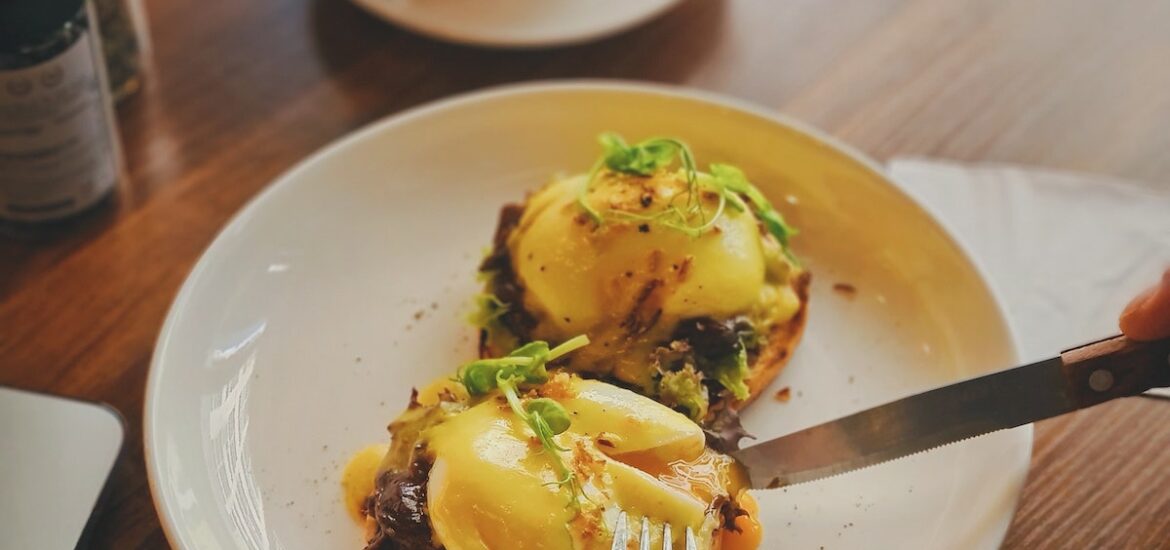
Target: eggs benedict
{"points": [[682, 278], [511, 456]]}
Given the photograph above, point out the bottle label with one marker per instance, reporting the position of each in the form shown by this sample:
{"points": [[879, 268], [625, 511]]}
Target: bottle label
{"points": [[57, 154]]}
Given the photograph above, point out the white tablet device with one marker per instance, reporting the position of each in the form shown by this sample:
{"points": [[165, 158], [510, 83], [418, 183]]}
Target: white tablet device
{"points": [[55, 457]]}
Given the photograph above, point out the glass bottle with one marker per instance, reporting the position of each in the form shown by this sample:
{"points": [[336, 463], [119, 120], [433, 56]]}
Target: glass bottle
{"points": [[59, 152]]}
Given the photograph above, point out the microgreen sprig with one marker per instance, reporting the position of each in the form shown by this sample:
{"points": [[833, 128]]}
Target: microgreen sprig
{"points": [[733, 180], [525, 365], [488, 309], [641, 159], [545, 417], [645, 158]]}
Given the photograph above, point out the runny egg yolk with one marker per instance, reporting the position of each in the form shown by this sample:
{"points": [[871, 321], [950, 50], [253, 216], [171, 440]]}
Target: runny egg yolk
{"points": [[750, 533], [357, 480]]}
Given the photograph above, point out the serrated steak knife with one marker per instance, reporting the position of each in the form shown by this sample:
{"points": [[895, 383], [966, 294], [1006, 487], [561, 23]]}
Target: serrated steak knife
{"points": [[1078, 378]]}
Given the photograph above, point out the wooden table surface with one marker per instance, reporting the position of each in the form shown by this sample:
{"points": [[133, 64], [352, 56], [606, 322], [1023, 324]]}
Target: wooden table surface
{"points": [[244, 89]]}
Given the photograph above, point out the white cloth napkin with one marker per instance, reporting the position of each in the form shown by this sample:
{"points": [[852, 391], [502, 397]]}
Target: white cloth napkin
{"points": [[1065, 251]]}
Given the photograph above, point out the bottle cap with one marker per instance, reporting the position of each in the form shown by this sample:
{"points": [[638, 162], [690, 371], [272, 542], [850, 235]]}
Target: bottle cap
{"points": [[26, 23]]}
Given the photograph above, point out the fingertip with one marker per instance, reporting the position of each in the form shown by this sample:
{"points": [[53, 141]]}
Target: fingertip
{"points": [[1147, 317]]}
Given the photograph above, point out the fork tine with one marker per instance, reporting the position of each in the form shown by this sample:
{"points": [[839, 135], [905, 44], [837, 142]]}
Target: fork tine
{"points": [[621, 533], [691, 544]]}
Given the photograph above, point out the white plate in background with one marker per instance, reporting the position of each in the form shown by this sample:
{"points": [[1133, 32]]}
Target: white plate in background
{"points": [[517, 23], [300, 332]]}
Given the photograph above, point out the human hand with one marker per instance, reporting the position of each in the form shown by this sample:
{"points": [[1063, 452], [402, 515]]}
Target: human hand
{"points": [[1147, 317]]}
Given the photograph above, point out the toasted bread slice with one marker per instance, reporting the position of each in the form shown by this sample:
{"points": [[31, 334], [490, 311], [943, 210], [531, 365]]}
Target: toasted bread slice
{"points": [[781, 343]]}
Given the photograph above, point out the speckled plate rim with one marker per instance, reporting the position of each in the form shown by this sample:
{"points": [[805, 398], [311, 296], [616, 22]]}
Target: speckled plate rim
{"points": [[166, 508]]}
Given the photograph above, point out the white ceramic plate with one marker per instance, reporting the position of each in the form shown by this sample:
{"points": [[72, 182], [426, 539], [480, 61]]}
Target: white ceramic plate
{"points": [[302, 329], [517, 23]]}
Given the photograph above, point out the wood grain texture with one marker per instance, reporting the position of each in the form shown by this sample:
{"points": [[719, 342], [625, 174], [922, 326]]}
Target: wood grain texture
{"points": [[243, 90]]}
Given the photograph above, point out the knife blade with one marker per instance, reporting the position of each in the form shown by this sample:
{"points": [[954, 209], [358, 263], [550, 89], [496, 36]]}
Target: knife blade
{"points": [[1078, 378]]}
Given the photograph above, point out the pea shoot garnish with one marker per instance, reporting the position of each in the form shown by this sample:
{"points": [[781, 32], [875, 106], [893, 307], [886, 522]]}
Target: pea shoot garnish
{"points": [[733, 180], [644, 159], [526, 365], [728, 184]]}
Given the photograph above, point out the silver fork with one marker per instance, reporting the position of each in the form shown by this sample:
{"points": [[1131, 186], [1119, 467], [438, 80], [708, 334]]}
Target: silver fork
{"points": [[621, 535]]}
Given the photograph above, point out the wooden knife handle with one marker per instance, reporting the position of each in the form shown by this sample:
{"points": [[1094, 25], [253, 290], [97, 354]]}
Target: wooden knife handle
{"points": [[1116, 367]]}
